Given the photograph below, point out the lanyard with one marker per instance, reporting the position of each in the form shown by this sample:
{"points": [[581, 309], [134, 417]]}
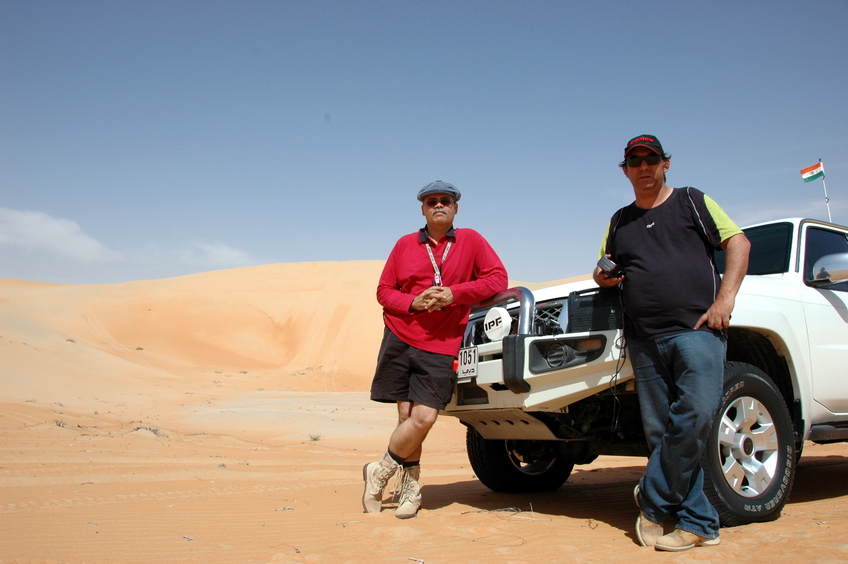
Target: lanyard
{"points": [[437, 273]]}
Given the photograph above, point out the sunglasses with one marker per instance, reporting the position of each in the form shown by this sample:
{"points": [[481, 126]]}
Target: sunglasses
{"points": [[637, 161], [445, 201]]}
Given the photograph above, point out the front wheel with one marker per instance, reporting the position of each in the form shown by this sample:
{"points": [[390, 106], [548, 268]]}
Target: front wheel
{"points": [[516, 466], [749, 462]]}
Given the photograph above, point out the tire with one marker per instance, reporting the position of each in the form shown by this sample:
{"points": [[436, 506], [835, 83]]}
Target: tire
{"points": [[516, 466], [749, 462]]}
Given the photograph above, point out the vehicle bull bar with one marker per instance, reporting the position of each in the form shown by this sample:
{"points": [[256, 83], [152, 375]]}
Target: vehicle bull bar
{"points": [[513, 344]]}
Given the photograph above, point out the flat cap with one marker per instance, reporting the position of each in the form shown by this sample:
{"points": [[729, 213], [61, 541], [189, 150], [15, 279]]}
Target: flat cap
{"points": [[439, 187]]}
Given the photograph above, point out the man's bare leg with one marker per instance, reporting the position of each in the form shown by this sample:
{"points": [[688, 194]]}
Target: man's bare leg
{"points": [[415, 421]]}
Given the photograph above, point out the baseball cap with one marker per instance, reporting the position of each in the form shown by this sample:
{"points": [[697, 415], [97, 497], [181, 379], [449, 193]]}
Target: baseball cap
{"points": [[647, 141], [439, 187]]}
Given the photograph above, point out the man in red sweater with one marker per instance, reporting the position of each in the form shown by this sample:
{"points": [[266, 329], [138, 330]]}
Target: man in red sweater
{"points": [[431, 279]]}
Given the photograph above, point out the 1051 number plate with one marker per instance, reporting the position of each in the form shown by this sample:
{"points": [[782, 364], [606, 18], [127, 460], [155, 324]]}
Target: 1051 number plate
{"points": [[467, 367]]}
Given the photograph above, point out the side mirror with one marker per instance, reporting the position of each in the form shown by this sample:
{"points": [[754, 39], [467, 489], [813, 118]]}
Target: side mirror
{"points": [[830, 269]]}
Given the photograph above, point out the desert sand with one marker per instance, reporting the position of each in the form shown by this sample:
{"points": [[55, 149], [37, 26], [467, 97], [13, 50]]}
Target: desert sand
{"points": [[224, 417]]}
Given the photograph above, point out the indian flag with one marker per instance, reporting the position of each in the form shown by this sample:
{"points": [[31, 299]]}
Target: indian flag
{"points": [[812, 172]]}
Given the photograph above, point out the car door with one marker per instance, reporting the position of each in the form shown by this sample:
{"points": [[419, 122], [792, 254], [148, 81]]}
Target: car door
{"points": [[826, 310]]}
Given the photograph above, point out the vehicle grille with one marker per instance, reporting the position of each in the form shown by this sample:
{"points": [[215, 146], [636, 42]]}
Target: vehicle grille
{"points": [[547, 321]]}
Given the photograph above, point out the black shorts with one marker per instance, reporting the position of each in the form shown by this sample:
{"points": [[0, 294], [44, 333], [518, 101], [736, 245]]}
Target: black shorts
{"points": [[406, 373]]}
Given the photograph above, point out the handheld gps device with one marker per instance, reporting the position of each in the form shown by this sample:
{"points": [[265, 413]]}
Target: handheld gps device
{"points": [[610, 268]]}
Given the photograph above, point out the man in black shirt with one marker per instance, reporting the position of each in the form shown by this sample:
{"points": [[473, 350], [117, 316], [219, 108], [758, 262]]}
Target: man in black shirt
{"points": [[677, 309]]}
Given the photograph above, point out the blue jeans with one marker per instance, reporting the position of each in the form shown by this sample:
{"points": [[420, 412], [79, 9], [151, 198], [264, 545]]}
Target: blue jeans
{"points": [[680, 382]]}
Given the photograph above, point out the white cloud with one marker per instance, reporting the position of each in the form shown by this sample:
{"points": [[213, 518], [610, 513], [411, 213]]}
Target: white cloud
{"points": [[218, 256], [37, 230]]}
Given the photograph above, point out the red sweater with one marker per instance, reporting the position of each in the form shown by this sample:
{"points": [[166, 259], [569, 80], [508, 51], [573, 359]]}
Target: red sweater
{"points": [[472, 271]]}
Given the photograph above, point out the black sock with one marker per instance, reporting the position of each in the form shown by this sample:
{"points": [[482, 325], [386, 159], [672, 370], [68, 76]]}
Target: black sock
{"points": [[395, 457], [411, 463]]}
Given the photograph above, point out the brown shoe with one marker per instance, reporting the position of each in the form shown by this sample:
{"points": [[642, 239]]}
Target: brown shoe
{"points": [[680, 540], [646, 530]]}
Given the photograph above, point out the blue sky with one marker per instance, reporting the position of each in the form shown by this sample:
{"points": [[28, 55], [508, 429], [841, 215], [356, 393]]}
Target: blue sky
{"points": [[151, 139]]}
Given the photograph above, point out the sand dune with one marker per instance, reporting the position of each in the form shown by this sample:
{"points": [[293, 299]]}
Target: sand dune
{"points": [[223, 417], [285, 321]]}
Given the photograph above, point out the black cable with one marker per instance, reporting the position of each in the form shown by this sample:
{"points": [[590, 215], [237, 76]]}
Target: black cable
{"points": [[621, 345]]}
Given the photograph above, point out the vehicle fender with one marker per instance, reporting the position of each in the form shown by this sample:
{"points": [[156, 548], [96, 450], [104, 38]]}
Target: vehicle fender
{"points": [[781, 320]]}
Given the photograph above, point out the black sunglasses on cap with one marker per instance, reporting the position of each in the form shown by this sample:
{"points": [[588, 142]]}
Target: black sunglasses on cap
{"points": [[652, 160]]}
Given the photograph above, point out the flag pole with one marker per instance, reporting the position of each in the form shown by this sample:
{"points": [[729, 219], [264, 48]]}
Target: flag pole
{"points": [[826, 199]]}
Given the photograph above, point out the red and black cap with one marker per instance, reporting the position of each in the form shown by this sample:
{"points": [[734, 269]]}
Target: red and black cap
{"points": [[647, 141]]}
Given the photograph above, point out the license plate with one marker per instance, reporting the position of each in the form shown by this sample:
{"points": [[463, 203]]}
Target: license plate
{"points": [[467, 367]]}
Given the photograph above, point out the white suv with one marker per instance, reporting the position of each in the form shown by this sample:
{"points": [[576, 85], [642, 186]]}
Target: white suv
{"points": [[549, 386]]}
